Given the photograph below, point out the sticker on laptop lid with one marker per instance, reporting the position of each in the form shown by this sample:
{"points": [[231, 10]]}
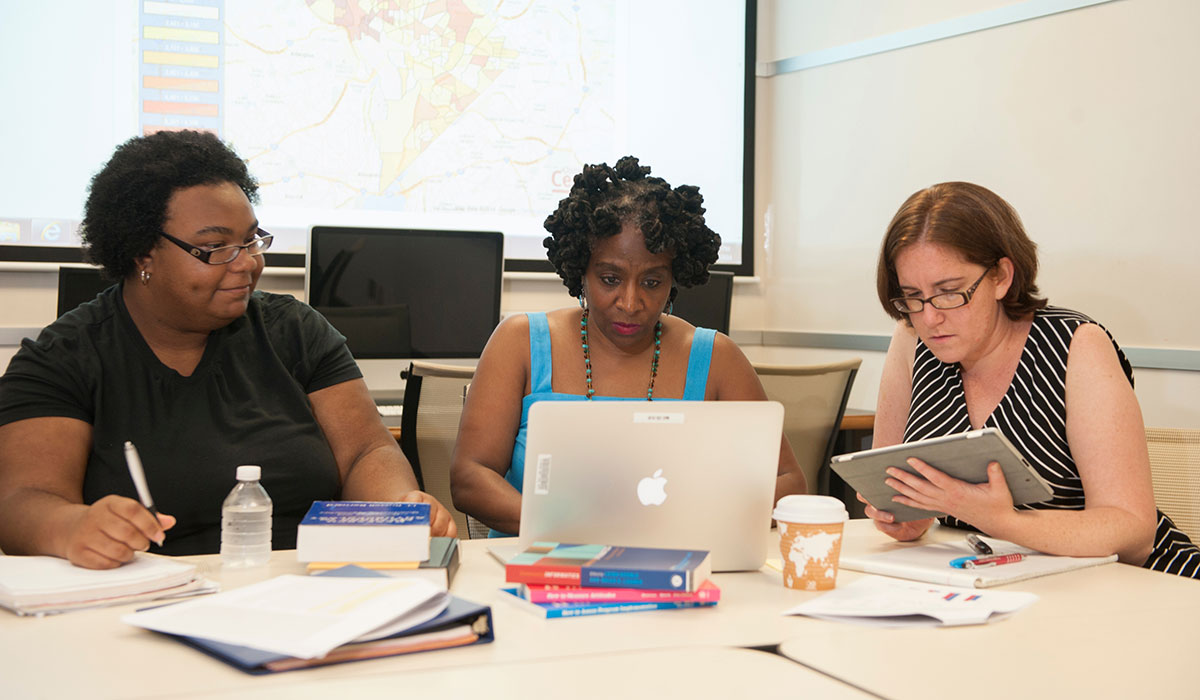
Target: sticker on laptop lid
{"points": [[541, 475], [657, 417]]}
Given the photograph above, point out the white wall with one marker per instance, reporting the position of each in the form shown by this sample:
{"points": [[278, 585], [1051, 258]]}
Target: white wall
{"points": [[1085, 121]]}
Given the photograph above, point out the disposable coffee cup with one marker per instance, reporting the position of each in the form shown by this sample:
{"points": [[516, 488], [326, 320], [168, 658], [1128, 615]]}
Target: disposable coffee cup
{"points": [[810, 540]]}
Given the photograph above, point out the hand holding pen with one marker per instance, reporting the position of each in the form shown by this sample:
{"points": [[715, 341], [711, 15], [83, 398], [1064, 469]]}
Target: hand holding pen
{"points": [[138, 474], [108, 533]]}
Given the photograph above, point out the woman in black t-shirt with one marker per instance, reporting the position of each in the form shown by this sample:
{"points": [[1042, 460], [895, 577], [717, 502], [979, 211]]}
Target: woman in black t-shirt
{"points": [[187, 361]]}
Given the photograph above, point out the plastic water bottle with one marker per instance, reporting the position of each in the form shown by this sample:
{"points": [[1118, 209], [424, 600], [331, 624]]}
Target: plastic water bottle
{"points": [[246, 521]]}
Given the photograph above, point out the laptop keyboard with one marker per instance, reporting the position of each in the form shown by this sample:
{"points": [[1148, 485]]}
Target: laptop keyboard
{"points": [[390, 410]]}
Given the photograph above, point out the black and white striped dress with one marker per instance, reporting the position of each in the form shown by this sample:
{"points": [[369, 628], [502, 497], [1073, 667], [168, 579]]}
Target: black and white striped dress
{"points": [[1033, 416]]}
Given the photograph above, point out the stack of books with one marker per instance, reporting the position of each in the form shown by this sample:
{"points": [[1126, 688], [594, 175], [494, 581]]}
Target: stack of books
{"points": [[391, 538], [570, 580]]}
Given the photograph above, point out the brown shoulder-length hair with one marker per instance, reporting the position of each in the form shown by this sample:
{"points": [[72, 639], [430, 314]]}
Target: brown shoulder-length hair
{"points": [[972, 220]]}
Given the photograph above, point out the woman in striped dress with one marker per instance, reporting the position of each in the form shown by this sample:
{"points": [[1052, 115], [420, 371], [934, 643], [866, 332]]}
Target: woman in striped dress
{"points": [[976, 347]]}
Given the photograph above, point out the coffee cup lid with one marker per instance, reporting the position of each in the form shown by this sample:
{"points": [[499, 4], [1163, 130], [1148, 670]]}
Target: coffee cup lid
{"points": [[810, 509]]}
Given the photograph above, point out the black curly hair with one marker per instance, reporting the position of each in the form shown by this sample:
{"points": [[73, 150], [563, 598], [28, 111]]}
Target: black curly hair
{"points": [[604, 199], [127, 201]]}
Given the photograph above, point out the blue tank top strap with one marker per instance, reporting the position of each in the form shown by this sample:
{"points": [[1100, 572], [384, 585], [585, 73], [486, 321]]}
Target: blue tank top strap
{"points": [[698, 363], [541, 364]]}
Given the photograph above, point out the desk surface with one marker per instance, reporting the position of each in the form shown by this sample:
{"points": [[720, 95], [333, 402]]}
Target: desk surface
{"points": [[104, 656], [1111, 614], [1113, 631], [698, 672]]}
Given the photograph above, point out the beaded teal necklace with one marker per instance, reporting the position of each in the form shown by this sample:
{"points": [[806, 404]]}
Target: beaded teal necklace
{"points": [[587, 357]]}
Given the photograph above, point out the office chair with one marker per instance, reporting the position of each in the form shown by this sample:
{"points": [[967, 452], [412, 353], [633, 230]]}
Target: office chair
{"points": [[814, 400], [433, 404], [1175, 471]]}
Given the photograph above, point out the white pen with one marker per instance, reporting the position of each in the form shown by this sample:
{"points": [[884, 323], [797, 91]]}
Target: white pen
{"points": [[139, 477]]}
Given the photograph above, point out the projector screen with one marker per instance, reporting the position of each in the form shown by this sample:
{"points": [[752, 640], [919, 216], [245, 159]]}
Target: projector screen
{"points": [[433, 114]]}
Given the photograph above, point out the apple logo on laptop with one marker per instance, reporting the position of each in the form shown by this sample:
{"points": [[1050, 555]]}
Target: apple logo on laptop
{"points": [[652, 490]]}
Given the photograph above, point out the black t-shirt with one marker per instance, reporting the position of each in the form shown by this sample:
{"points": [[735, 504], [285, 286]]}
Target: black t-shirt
{"points": [[245, 403]]}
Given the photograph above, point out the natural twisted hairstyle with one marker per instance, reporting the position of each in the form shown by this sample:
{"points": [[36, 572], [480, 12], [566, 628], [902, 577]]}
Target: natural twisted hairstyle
{"points": [[127, 201], [604, 199], [975, 222]]}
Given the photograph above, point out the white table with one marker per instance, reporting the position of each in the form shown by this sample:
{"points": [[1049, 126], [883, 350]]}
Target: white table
{"points": [[92, 654], [692, 672], [1093, 633], [1114, 631]]}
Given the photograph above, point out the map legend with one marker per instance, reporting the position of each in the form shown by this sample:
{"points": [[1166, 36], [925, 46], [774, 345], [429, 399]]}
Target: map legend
{"points": [[181, 65]]}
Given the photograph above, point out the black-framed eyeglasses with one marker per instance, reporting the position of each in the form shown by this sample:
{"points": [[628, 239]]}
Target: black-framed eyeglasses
{"points": [[943, 301], [226, 253]]}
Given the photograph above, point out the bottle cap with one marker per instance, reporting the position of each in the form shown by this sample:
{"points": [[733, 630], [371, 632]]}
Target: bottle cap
{"points": [[249, 473]]}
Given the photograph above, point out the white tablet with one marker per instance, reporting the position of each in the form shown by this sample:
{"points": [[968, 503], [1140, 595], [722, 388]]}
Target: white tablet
{"points": [[964, 456]]}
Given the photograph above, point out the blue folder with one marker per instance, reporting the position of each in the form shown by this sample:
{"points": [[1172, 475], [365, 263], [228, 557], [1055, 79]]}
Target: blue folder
{"points": [[258, 662]]}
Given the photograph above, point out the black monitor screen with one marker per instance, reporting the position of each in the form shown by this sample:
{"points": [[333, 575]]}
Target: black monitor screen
{"points": [[707, 306], [407, 293]]}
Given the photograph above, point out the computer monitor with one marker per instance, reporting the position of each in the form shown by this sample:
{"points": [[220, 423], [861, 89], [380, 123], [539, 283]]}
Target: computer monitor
{"points": [[707, 306], [77, 285], [407, 293]]}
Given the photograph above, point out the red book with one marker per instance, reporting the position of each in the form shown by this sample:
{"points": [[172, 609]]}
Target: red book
{"points": [[601, 566], [534, 593]]}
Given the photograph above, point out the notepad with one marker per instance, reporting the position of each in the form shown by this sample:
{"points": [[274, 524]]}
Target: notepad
{"points": [[931, 563], [40, 584]]}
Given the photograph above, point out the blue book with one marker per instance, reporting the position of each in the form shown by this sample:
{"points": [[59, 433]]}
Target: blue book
{"points": [[364, 531], [601, 566], [558, 610]]}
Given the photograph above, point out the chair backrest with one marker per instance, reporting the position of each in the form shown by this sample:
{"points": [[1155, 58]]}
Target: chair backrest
{"points": [[77, 285], [708, 305], [433, 403], [1175, 470], [814, 400]]}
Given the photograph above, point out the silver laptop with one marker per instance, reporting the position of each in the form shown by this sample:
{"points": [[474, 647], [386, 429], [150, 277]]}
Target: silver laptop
{"points": [[674, 474]]}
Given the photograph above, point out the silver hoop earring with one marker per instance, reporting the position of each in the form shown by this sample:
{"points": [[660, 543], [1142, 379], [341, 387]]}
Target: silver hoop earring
{"points": [[582, 302], [145, 277]]}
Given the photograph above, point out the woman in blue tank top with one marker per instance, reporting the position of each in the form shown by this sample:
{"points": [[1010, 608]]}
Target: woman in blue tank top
{"points": [[622, 242]]}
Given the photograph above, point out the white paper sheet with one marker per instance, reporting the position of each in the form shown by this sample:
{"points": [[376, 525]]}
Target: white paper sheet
{"points": [[301, 616], [889, 602]]}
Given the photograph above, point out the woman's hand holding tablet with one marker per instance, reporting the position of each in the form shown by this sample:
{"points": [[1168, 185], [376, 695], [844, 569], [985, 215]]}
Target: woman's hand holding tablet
{"points": [[964, 456]]}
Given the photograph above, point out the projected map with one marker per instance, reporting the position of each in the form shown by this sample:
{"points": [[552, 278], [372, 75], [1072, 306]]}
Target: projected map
{"points": [[435, 107]]}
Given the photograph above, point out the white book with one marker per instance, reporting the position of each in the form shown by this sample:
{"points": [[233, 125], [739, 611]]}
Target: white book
{"points": [[931, 563], [364, 531], [40, 584]]}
